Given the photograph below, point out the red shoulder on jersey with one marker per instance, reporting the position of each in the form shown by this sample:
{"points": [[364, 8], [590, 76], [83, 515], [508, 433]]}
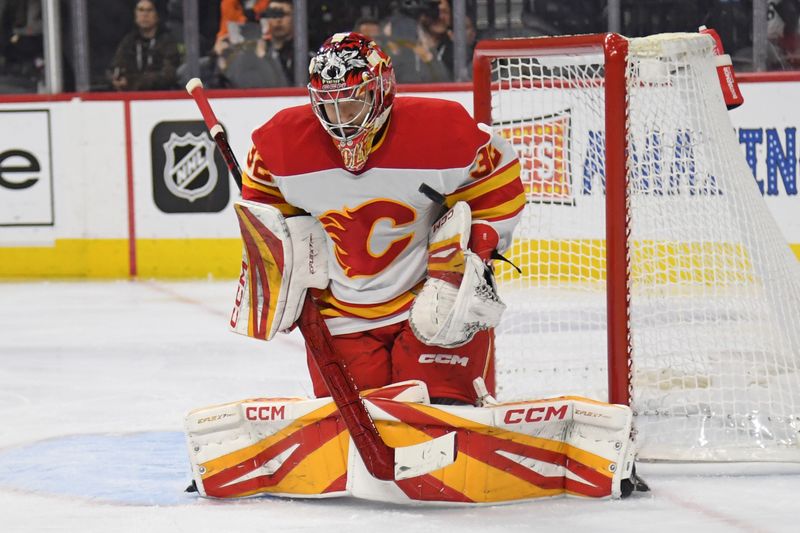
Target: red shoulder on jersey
{"points": [[423, 133], [294, 142], [429, 133]]}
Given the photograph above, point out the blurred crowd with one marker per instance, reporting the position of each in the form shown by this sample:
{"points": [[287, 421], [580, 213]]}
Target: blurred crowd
{"points": [[138, 44]]}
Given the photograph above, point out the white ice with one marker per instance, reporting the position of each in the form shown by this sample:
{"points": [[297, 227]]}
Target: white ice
{"points": [[95, 378]]}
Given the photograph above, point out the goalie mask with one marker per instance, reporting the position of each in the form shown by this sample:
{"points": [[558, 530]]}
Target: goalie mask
{"points": [[352, 88]]}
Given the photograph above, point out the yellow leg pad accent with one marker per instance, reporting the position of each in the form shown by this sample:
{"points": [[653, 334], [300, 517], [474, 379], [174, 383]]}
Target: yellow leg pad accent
{"points": [[506, 452], [281, 446]]}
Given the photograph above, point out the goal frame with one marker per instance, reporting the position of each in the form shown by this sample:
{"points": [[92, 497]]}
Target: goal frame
{"points": [[617, 230]]}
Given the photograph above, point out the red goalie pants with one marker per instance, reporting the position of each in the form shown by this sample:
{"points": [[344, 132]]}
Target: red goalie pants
{"points": [[389, 354]]}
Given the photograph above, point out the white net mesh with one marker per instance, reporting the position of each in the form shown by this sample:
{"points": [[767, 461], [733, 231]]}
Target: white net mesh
{"points": [[714, 288]]}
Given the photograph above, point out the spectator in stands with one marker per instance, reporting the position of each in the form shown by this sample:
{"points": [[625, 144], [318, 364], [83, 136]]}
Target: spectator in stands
{"points": [[734, 22], [783, 17], [279, 40], [238, 12], [417, 41], [146, 58], [368, 26], [245, 64], [251, 58], [437, 32], [471, 35], [23, 45]]}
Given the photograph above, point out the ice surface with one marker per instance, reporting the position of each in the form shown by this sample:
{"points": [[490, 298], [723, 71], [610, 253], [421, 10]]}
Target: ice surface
{"points": [[95, 378]]}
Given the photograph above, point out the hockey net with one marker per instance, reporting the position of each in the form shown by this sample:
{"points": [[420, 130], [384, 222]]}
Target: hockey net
{"points": [[698, 307]]}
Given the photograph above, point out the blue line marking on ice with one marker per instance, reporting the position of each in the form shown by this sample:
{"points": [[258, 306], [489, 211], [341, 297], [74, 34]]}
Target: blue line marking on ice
{"points": [[134, 469]]}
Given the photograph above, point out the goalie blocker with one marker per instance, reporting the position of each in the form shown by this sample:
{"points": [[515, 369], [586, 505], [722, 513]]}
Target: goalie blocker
{"points": [[506, 452], [281, 259]]}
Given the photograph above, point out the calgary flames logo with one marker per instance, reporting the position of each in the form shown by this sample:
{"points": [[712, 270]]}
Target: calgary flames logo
{"points": [[363, 246]]}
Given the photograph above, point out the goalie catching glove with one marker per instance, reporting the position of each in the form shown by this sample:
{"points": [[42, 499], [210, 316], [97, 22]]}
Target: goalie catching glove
{"points": [[282, 258], [460, 297]]}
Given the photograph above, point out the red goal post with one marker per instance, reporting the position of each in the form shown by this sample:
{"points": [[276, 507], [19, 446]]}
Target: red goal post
{"points": [[615, 49]]}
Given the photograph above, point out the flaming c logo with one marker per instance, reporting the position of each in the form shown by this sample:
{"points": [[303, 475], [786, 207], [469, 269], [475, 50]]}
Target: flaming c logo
{"points": [[352, 233]]}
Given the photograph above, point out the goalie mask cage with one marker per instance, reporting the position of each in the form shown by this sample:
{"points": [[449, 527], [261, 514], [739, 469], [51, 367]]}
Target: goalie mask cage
{"points": [[653, 273]]}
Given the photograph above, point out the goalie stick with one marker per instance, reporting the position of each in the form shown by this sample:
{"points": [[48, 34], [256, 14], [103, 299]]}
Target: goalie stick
{"points": [[381, 460], [196, 90]]}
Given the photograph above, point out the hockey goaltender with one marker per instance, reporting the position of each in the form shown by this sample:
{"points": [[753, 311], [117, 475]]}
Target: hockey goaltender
{"points": [[371, 222]]}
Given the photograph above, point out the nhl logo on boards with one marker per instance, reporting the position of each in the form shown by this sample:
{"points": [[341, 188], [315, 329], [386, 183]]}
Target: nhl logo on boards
{"points": [[189, 171], [188, 175]]}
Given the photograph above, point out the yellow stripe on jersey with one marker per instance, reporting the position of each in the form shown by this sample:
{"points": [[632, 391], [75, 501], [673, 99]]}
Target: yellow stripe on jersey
{"points": [[288, 210], [270, 195], [247, 181], [336, 308], [488, 184]]}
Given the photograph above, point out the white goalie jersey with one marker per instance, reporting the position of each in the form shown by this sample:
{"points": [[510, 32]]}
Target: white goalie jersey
{"points": [[377, 222]]}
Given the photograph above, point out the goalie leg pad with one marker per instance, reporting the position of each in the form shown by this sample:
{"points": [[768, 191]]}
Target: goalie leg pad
{"points": [[567, 446], [281, 446], [284, 446], [281, 259]]}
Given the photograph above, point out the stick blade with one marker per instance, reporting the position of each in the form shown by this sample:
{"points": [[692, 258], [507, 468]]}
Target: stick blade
{"points": [[425, 457]]}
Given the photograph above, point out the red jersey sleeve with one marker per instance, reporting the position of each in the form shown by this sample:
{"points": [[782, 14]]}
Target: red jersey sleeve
{"points": [[493, 188]]}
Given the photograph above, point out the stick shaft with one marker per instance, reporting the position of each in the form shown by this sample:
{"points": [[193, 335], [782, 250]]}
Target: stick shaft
{"points": [[378, 457], [199, 94], [196, 90]]}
